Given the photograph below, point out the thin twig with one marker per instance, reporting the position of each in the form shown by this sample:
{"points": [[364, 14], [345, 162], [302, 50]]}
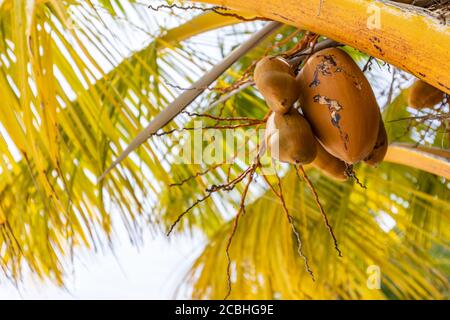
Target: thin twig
{"points": [[441, 116], [319, 205], [391, 90], [299, 57], [231, 184], [233, 231], [291, 223], [350, 172], [223, 127], [180, 216], [217, 9], [210, 116], [368, 65], [198, 174]]}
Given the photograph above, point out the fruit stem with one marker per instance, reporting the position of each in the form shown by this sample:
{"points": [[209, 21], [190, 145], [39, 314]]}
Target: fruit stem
{"points": [[319, 205]]}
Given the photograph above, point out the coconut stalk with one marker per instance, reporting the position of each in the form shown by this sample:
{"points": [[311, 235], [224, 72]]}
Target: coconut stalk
{"points": [[406, 37]]}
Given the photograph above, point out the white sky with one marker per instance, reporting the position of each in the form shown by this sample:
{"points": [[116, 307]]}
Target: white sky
{"points": [[152, 272]]}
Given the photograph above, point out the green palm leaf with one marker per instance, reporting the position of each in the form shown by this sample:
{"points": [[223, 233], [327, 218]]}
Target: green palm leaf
{"points": [[62, 116]]}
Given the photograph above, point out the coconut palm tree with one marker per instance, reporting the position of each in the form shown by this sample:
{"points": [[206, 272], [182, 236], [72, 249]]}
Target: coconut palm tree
{"points": [[80, 80]]}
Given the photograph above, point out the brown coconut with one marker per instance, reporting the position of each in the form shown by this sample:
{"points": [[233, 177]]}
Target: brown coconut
{"points": [[424, 95], [275, 79], [338, 102], [328, 164], [271, 64], [289, 138], [379, 150]]}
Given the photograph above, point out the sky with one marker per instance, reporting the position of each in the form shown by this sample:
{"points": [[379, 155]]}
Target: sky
{"points": [[154, 271]]}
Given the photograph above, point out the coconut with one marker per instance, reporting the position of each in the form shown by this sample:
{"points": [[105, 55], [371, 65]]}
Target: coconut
{"points": [[279, 90], [271, 64], [380, 148], [328, 164], [289, 138], [275, 79], [424, 95], [339, 104]]}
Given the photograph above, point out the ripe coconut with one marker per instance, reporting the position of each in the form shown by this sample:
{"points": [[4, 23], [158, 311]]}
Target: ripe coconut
{"points": [[328, 164], [271, 64], [275, 79], [289, 138], [380, 148], [339, 103], [423, 95]]}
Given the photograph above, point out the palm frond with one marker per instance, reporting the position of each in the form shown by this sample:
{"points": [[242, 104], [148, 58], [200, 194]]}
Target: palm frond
{"points": [[71, 99], [396, 229]]}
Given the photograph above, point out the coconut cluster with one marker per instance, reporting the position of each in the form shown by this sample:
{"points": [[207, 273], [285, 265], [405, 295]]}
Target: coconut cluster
{"points": [[338, 122]]}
